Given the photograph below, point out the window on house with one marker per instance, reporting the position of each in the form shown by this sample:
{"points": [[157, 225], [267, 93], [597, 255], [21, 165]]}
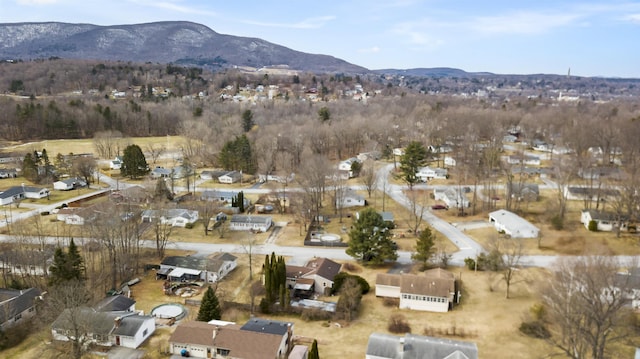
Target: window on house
{"points": [[222, 351], [144, 332], [18, 317]]}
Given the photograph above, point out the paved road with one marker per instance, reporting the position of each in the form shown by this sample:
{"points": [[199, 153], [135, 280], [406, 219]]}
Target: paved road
{"points": [[468, 248]]}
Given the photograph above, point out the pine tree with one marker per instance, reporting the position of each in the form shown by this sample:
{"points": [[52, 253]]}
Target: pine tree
{"points": [[67, 266], [415, 156], [247, 120], [314, 354], [209, 307], [424, 247], [134, 164]]}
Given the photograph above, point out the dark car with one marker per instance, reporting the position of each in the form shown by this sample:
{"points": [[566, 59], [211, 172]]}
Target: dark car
{"points": [[438, 206]]}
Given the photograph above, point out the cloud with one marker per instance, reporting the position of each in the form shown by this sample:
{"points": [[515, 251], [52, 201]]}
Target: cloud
{"points": [[370, 50], [525, 22], [309, 23], [173, 7], [37, 2], [634, 18], [418, 33]]}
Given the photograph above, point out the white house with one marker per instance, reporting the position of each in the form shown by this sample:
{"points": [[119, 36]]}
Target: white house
{"points": [[160, 172], [427, 173], [69, 184], [176, 217], [452, 197], [605, 221], [126, 329], [449, 161], [387, 346], [241, 222], [434, 291], [26, 263], [116, 163], [513, 225], [230, 177], [18, 193], [351, 199], [347, 165], [520, 159]]}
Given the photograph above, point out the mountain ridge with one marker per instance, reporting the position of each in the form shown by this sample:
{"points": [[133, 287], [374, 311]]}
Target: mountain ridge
{"points": [[163, 42]]}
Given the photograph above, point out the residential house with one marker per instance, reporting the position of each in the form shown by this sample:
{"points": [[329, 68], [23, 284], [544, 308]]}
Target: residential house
{"points": [[210, 270], [387, 217], [316, 276], [282, 329], [452, 197], [203, 340], [541, 146], [513, 225], [439, 149], [299, 352], [605, 221], [224, 199], [351, 199], [161, 172], [529, 192], [449, 161], [126, 329], [240, 222], [176, 217], [593, 173], [373, 155], [230, 177], [17, 305], [18, 193], [209, 175], [428, 173], [629, 282], [116, 303], [435, 290], [398, 151], [346, 166], [71, 215], [26, 261], [69, 184], [412, 346], [523, 159], [133, 194], [8, 173], [116, 163], [591, 194]]}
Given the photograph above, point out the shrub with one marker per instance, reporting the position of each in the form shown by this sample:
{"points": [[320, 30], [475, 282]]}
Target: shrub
{"points": [[398, 324], [189, 226], [342, 277], [535, 329], [470, 263], [557, 223], [593, 226], [315, 314]]}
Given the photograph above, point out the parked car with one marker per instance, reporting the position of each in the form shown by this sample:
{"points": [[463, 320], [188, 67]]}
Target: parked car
{"points": [[438, 206]]}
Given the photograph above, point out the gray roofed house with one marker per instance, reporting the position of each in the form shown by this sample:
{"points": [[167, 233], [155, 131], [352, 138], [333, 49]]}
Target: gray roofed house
{"points": [[270, 326], [69, 184], [240, 222], [411, 346], [524, 191], [26, 262], [176, 217], [8, 173], [317, 276], [116, 303], [179, 268], [125, 329], [17, 193], [17, 305], [436, 290]]}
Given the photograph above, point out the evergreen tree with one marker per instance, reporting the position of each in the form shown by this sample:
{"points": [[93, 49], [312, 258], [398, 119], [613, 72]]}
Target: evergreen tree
{"points": [[67, 266], [371, 239], [29, 167], [424, 247], [313, 354], [247, 120], [134, 164], [237, 155], [415, 156], [209, 307]]}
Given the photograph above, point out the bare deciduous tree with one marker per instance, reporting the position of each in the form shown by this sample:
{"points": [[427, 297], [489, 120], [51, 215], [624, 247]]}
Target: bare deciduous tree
{"points": [[369, 176], [586, 302]]}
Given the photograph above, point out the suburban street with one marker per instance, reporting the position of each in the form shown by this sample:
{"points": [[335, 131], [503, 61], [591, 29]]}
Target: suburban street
{"points": [[468, 248]]}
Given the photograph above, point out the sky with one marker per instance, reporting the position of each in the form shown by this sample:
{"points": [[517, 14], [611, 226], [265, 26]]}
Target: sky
{"points": [[589, 37]]}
